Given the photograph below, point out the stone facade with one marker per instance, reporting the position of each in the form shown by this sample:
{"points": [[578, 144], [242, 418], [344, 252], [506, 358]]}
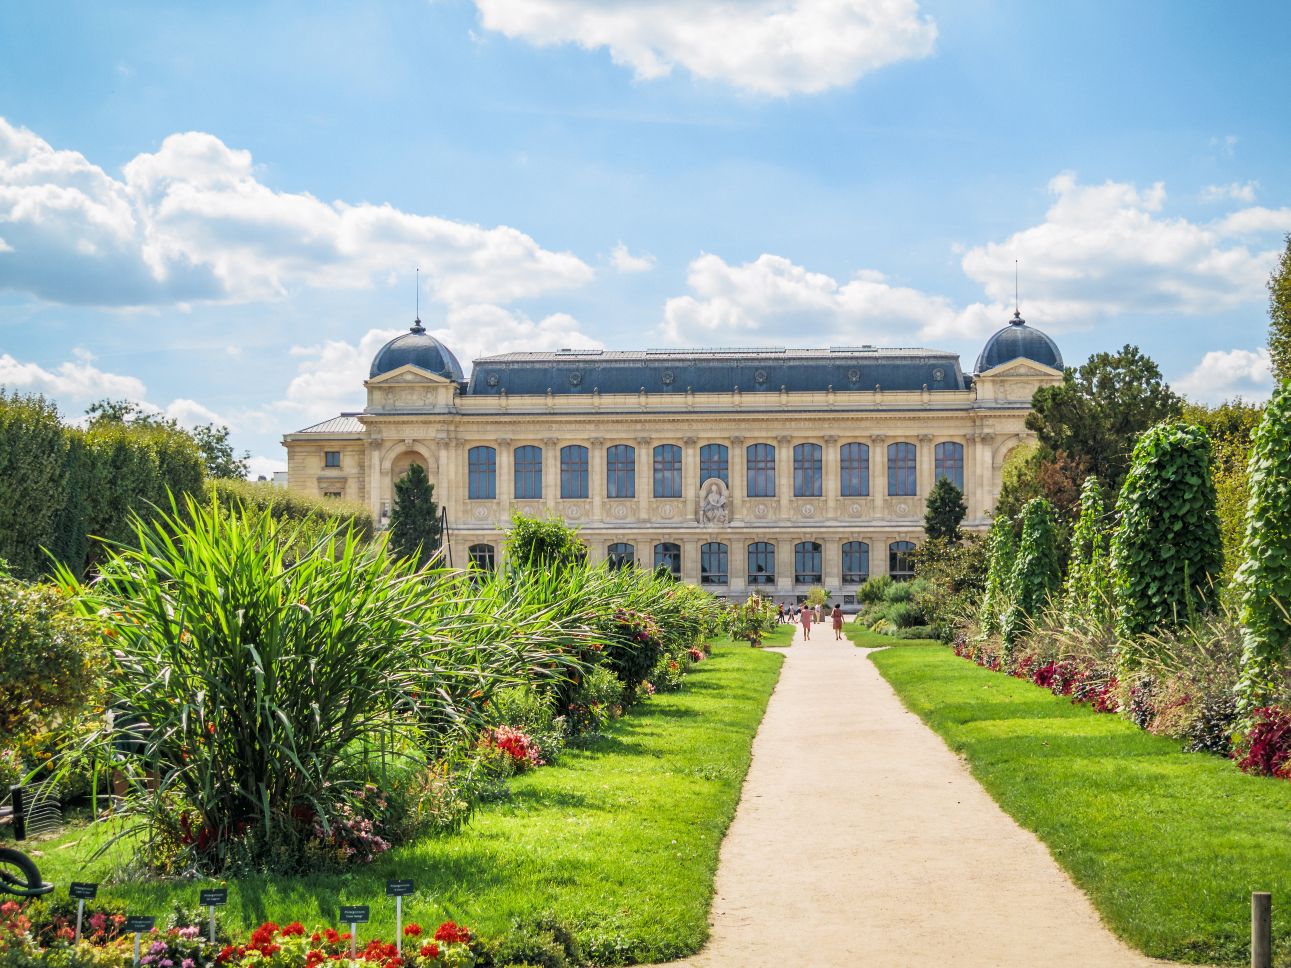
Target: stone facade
{"points": [[820, 485]]}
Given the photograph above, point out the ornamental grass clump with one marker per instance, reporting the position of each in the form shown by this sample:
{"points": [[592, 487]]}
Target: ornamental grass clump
{"points": [[1166, 551]]}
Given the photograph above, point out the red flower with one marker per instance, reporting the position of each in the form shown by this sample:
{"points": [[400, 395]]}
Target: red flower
{"points": [[315, 937], [225, 954], [430, 951], [452, 933], [295, 928], [411, 930], [332, 936]]}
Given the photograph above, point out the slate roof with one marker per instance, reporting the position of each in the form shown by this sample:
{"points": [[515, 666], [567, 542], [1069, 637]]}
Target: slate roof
{"points": [[845, 368], [346, 423], [1016, 341], [420, 349]]}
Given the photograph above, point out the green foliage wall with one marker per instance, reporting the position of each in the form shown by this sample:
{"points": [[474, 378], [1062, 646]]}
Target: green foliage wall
{"points": [[1265, 576], [1166, 551], [1037, 573], [1001, 549], [292, 505], [33, 468], [1280, 316], [1087, 596]]}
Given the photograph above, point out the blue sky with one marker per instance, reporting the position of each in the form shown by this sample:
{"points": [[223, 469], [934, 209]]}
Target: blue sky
{"points": [[217, 209]]}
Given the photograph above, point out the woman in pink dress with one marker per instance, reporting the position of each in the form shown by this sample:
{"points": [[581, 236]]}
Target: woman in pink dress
{"points": [[806, 623], [837, 616]]}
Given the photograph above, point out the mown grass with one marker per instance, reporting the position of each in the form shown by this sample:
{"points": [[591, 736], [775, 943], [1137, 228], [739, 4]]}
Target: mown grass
{"points": [[1168, 845], [620, 839], [866, 639]]}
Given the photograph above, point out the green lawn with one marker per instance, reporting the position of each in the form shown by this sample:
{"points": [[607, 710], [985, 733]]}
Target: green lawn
{"points": [[619, 840], [1168, 845], [873, 640]]}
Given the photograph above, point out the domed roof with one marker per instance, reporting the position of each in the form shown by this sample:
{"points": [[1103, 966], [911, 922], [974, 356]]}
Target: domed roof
{"points": [[421, 350], [1016, 341]]}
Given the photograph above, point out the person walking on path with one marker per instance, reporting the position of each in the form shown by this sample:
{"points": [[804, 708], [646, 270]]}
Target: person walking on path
{"points": [[836, 616], [806, 623]]}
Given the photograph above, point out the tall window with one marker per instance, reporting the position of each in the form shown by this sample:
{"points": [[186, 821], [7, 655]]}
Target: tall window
{"points": [[668, 555], [761, 563], [573, 472], [713, 563], [854, 466], [621, 555], [761, 470], [903, 477], [621, 471], [482, 556], [856, 562], [901, 560], [714, 462], [807, 563], [481, 473], [667, 471], [949, 457], [528, 472], [807, 474]]}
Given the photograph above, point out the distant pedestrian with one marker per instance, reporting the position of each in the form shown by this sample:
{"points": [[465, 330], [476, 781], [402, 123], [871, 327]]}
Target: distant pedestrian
{"points": [[780, 612], [836, 615], [806, 623]]}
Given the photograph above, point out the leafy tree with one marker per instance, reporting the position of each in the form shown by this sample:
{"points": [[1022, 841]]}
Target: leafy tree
{"points": [[1265, 576], [1280, 316], [946, 510], [414, 519], [1166, 551], [221, 461], [1001, 549], [549, 544], [1088, 591], [124, 412], [1037, 574], [1099, 410], [953, 575]]}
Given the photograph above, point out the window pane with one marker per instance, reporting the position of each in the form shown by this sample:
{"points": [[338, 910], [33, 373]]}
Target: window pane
{"points": [[573, 472], [621, 555], [950, 463], [668, 555], [900, 564], [333, 458], [761, 563], [761, 470], [482, 470], [667, 471], [807, 473], [713, 563], [621, 471], [714, 462], [528, 472], [481, 556], [856, 562], [807, 558], [854, 466], [902, 471]]}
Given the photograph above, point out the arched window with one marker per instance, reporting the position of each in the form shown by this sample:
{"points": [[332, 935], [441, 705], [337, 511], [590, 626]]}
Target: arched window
{"points": [[667, 471], [903, 477], [761, 470], [621, 555], [668, 555], [713, 563], [807, 563], [528, 472], [854, 467], [714, 462], [761, 563], [621, 471], [949, 457], [482, 556], [482, 473], [856, 562], [900, 562], [807, 473], [573, 472]]}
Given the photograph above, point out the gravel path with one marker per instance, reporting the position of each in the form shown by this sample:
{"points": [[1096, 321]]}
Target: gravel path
{"points": [[861, 840]]}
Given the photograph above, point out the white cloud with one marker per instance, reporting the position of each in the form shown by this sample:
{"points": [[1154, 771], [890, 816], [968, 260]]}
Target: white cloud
{"points": [[625, 261], [1255, 221], [258, 466], [79, 381], [1233, 191], [1225, 374], [1108, 249], [192, 222], [775, 47], [190, 413]]}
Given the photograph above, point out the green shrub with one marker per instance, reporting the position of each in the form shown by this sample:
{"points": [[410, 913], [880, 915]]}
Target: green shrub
{"points": [[916, 632], [1264, 578], [532, 712], [295, 506], [1001, 550], [874, 589], [1087, 594], [597, 700], [545, 943], [1036, 573], [1166, 551], [550, 544]]}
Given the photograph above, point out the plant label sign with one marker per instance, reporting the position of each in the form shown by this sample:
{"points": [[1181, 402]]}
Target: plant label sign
{"points": [[81, 891], [355, 914], [398, 888], [139, 923], [214, 896]]}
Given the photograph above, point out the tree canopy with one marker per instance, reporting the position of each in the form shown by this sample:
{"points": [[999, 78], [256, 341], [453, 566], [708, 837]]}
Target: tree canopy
{"points": [[946, 510], [414, 519]]}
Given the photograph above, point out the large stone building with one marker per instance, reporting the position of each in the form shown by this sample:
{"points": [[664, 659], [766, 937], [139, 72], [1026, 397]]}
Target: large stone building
{"points": [[741, 469]]}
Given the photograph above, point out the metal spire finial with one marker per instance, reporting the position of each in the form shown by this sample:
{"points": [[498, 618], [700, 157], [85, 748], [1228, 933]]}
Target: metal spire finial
{"points": [[416, 323], [1017, 306]]}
